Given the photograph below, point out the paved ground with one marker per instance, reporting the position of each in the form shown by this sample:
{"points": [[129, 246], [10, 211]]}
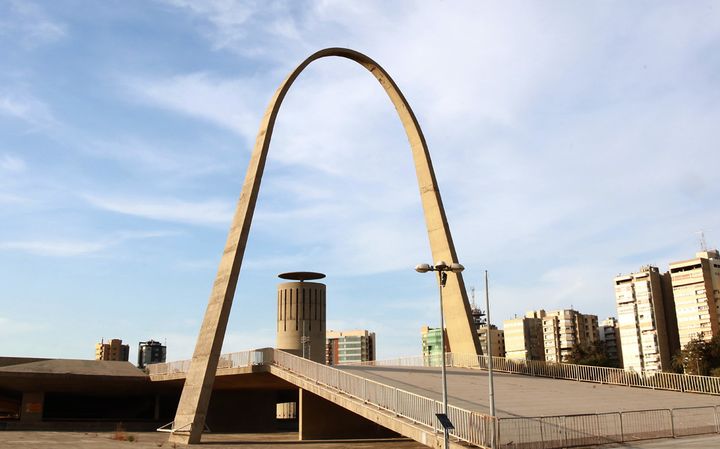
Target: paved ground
{"points": [[517, 395], [700, 442], [154, 440]]}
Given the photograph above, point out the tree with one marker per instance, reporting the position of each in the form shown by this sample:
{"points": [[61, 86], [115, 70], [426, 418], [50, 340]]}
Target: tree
{"points": [[594, 354], [699, 357]]}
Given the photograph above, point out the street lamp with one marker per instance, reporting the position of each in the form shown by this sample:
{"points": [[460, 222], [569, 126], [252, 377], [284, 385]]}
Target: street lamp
{"points": [[442, 268]]}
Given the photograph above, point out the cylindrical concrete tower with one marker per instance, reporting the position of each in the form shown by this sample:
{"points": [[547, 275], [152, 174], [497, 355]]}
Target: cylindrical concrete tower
{"points": [[301, 316]]}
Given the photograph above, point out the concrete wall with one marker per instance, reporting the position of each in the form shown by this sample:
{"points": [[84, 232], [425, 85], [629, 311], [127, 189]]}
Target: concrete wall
{"points": [[301, 312], [242, 411], [321, 419], [31, 408]]}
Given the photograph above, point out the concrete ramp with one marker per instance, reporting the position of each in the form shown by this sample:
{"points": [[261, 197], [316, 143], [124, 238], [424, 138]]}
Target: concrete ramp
{"points": [[406, 413], [334, 403]]}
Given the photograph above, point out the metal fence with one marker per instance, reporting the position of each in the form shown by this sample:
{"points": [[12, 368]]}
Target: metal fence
{"points": [[542, 432], [550, 432], [471, 427], [569, 371], [232, 360]]}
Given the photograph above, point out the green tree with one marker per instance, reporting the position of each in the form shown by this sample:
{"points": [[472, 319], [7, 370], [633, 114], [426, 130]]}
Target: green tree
{"points": [[594, 354], [699, 357]]}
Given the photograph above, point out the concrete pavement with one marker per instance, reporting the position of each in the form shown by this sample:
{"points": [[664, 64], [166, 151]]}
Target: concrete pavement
{"points": [[154, 440], [518, 395]]}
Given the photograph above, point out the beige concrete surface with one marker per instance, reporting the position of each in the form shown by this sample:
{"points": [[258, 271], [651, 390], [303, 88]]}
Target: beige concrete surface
{"points": [[517, 395], [154, 440], [302, 313], [370, 412], [195, 396], [697, 442]]}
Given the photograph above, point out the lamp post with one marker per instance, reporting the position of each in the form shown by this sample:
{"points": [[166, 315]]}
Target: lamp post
{"points": [[442, 268], [491, 386]]}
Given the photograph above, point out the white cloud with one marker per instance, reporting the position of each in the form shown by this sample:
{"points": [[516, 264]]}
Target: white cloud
{"points": [[75, 248], [245, 27], [11, 328], [232, 104], [11, 163], [26, 108], [55, 248], [27, 24], [209, 212], [173, 159], [9, 198]]}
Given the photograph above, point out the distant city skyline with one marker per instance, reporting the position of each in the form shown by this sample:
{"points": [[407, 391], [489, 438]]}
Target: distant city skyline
{"points": [[570, 144]]}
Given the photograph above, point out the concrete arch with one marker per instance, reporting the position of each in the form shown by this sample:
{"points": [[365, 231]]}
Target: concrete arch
{"points": [[195, 396]]}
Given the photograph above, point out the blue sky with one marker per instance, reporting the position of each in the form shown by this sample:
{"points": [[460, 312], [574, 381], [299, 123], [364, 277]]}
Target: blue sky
{"points": [[572, 141]]}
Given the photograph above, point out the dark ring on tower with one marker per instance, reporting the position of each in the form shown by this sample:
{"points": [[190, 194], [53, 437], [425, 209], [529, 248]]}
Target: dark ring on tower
{"points": [[301, 276]]}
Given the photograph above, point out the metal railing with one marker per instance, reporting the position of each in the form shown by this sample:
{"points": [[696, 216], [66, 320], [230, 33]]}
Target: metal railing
{"points": [[471, 427], [232, 360], [550, 432], [540, 432], [569, 371]]}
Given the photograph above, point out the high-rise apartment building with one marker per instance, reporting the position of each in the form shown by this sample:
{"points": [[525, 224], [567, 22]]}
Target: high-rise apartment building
{"points": [[524, 337], [349, 346], [645, 319], [696, 289], [497, 340], [149, 352], [563, 330], [609, 334], [114, 350], [432, 345]]}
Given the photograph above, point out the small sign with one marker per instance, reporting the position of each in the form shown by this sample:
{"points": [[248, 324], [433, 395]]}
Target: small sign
{"points": [[445, 421], [33, 407]]}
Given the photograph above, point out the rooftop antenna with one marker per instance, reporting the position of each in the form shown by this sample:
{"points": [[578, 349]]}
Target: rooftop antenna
{"points": [[703, 242]]}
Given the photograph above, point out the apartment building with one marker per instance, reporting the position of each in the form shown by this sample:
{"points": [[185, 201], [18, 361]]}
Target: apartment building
{"points": [[349, 346], [609, 334], [645, 319], [150, 352], [432, 345], [497, 340], [564, 329], [114, 350], [524, 337], [696, 290]]}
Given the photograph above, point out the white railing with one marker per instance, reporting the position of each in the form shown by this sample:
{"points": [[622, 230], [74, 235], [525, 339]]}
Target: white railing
{"points": [[584, 373], [555, 432], [226, 361], [479, 429], [471, 427]]}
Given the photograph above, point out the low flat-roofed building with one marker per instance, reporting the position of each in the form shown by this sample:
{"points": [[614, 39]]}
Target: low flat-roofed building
{"points": [[349, 346], [524, 337], [114, 350], [497, 340], [432, 345]]}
